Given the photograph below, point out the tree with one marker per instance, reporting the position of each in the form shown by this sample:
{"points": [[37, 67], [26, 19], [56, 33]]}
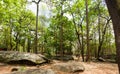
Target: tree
{"points": [[16, 23], [70, 27], [77, 12], [61, 31], [11, 10], [114, 10], [102, 37], [87, 28], [36, 31]]}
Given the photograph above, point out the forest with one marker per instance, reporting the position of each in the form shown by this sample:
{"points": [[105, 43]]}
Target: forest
{"points": [[59, 36]]}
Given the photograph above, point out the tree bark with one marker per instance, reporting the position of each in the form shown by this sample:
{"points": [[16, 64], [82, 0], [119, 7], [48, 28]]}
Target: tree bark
{"points": [[36, 37], [10, 34], [61, 30], [29, 43], [36, 31], [115, 15], [99, 31], [17, 41], [87, 29], [82, 44], [61, 35]]}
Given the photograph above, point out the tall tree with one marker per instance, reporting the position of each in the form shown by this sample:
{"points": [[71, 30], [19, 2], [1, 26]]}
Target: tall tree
{"points": [[87, 28], [61, 28], [114, 10], [36, 31], [76, 11]]}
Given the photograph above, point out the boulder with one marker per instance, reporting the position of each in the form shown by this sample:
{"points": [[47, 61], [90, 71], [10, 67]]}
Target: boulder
{"points": [[64, 58], [15, 57], [69, 67], [35, 71], [101, 59]]}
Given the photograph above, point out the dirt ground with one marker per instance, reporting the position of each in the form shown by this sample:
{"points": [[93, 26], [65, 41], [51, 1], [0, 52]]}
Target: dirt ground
{"points": [[90, 68]]}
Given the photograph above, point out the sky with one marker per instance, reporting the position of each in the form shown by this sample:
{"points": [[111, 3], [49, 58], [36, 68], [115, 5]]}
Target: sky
{"points": [[43, 8]]}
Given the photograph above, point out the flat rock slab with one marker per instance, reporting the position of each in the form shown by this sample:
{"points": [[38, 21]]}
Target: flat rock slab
{"points": [[20, 57], [69, 67], [35, 71]]}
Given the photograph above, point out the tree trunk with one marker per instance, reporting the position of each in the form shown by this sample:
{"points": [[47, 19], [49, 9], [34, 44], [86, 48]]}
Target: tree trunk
{"points": [[61, 30], [99, 31], [29, 43], [17, 41], [36, 31], [10, 34], [24, 46], [77, 34], [61, 36], [115, 15], [103, 37], [36, 37], [82, 44], [87, 28]]}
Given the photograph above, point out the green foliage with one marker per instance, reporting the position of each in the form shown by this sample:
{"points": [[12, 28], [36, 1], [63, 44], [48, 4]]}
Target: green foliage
{"points": [[16, 22], [17, 26], [53, 35]]}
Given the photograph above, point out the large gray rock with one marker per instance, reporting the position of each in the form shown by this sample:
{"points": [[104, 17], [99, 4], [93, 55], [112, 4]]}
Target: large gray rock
{"points": [[20, 57], [64, 58], [69, 67], [35, 71]]}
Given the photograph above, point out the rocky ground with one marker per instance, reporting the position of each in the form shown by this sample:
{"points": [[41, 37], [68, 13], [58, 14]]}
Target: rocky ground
{"points": [[90, 68]]}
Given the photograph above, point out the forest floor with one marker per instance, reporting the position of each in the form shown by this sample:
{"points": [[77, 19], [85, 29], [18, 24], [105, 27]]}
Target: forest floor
{"points": [[90, 68]]}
